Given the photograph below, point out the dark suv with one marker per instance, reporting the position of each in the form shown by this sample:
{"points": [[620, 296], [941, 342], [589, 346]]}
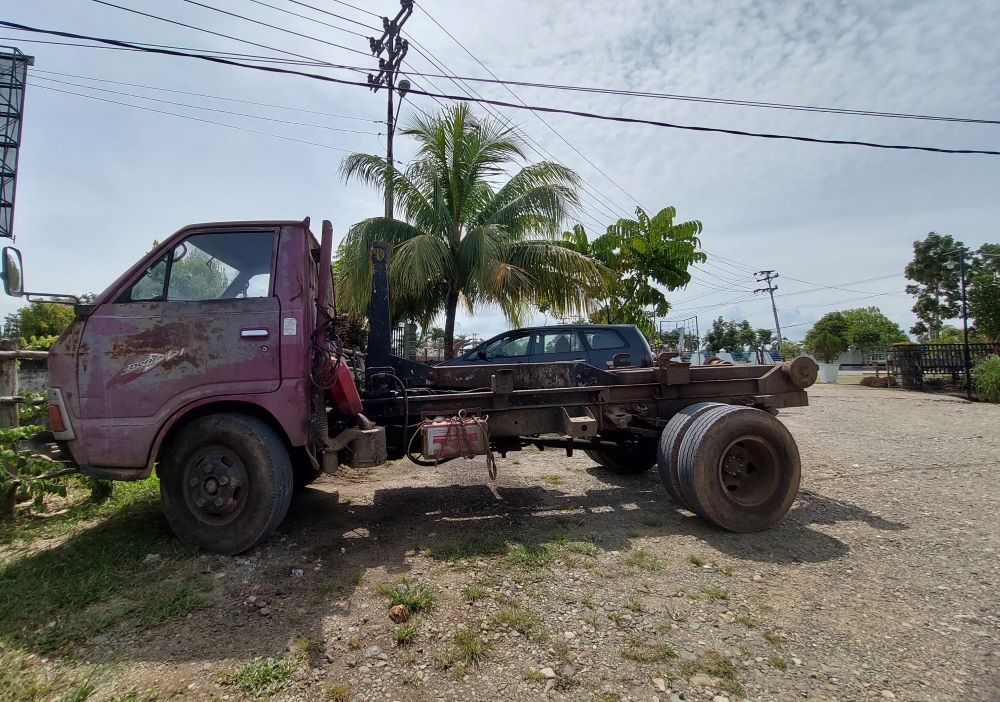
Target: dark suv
{"points": [[596, 344]]}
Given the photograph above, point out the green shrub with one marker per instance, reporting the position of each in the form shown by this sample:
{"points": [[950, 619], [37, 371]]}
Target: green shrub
{"points": [[825, 345], [986, 378]]}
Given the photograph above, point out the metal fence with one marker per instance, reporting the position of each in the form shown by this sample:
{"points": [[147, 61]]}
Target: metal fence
{"points": [[909, 364]]}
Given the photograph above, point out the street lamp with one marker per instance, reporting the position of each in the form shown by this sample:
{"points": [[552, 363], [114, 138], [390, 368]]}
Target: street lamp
{"points": [[965, 321]]}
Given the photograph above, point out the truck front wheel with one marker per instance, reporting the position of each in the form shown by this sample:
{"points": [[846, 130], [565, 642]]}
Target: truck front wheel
{"points": [[225, 482], [629, 458]]}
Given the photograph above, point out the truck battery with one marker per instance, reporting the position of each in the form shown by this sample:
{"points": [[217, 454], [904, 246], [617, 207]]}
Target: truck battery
{"points": [[455, 437]]}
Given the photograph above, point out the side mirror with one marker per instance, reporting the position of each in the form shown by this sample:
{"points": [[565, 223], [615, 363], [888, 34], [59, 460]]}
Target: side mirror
{"points": [[13, 279]]}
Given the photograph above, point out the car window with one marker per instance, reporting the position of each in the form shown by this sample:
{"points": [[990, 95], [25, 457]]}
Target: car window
{"points": [[150, 286], [560, 342], [508, 346], [600, 339]]}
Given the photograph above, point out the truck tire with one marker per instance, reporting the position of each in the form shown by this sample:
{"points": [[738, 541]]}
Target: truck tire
{"points": [[631, 458], [226, 482], [670, 444], [739, 468]]}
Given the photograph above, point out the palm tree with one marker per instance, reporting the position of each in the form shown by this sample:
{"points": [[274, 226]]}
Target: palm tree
{"points": [[465, 236]]}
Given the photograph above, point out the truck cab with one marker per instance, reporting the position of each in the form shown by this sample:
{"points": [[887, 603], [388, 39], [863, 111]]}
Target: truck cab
{"points": [[217, 321]]}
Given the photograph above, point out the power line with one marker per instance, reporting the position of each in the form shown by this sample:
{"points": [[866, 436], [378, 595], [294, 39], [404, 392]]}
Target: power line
{"points": [[529, 141], [207, 109], [168, 21], [265, 24], [312, 19], [550, 127], [205, 95], [334, 14], [196, 119], [355, 7], [500, 103]]}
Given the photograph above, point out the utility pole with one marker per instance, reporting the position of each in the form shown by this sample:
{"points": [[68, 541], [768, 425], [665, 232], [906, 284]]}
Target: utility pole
{"points": [[967, 361], [395, 47], [767, 277]]}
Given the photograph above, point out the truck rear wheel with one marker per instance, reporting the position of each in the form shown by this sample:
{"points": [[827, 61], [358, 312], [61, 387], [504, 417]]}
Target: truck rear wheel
{"points": [[629, 458], [670, 444], [226, 482], [739, 468]]}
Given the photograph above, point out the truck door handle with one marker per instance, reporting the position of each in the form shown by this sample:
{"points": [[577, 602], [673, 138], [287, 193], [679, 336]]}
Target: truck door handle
{"points": [[254, 333]]}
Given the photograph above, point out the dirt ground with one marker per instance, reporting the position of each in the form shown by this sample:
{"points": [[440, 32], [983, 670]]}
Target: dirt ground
{"points": [[563, 581]]}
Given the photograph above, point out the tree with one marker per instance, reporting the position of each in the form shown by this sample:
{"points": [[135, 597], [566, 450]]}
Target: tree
{"points": [[984, 292], [826, 346], [832, 324], [38, 319], [936, 284], [868, 328], [464, 236], [642, 253], [729, 335], [789, 349]]}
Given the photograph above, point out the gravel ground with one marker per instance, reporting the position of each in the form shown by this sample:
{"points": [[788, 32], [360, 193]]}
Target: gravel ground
{"points": [[564, 581]]}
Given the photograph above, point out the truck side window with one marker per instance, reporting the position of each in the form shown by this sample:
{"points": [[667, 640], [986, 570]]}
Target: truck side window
{"points": [[221, 266], [150, 286], [600, 339]]}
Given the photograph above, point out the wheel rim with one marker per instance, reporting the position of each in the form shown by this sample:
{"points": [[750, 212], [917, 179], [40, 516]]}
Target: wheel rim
{"points": [[749, 471], [215, 485]]}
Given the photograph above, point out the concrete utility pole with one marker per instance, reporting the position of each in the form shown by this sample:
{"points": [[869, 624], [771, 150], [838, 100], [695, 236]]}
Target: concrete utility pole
{"points": [[395, 47], [767, 277], [967, 362]]}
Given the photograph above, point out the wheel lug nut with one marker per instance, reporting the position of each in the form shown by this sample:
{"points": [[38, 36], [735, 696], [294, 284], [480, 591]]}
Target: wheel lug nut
{"points": [[194, 482], [218, 501], [207, 469], [200, 502], [223, 480]]}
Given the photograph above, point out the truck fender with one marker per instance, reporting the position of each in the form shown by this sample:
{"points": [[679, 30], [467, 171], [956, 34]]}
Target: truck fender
{"points": [[188, 413]]}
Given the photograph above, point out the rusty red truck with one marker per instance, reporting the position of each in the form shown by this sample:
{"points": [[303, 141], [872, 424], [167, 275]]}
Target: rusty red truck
{"points": [[215, 361]]}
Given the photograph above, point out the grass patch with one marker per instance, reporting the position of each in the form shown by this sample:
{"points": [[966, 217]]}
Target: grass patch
{"points": [[775, 639], [696, 560], [96, 577], [354, 643], [528, 555], [641, 651], [521, 620], [715, 593], [338, 692], [470, 646], [633, 604], [715, 664], [554, 479], [474, 593], [584, 548], [406, 633], [778, 662], [416, 597], [22, 679], [261, 676], [747, 621], [638, 558]]}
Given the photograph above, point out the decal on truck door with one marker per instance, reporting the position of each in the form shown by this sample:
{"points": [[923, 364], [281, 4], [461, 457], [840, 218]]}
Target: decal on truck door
{"points": [[138, 365]]}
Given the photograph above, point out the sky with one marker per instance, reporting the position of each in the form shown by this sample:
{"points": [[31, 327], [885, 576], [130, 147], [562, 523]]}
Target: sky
{"points": [[99, 182]]}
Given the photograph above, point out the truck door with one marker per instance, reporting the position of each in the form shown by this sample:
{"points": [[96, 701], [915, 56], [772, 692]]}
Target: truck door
{"points": [[200, 321]]}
